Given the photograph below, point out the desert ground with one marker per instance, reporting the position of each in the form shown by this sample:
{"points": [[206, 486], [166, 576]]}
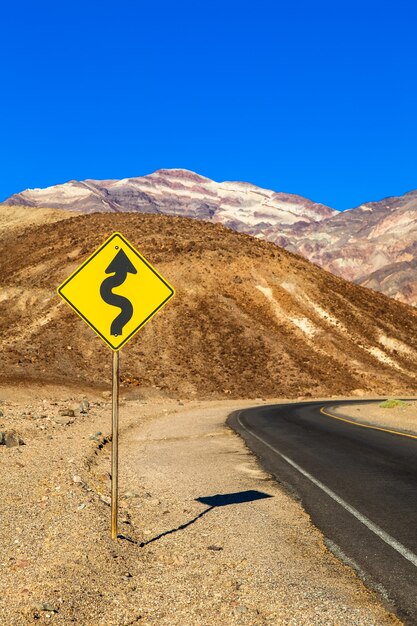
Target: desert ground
{"points": [[402, 416], [180, 562]]}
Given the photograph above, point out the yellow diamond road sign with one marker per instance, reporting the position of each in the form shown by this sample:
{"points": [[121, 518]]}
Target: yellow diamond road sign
{"points": [[116, 291]]}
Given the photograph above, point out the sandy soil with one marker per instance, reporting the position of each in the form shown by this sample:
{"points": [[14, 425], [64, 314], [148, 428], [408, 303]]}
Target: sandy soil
{"points": [[254, 562], [403, 418]]}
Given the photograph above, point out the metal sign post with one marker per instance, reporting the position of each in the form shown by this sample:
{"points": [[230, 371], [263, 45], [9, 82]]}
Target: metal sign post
{"points": [[116, 317], [115, 445]]}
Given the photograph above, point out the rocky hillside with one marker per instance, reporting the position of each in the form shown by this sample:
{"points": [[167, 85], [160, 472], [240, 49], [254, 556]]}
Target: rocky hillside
{"points": [[249, 319], [373, 244]]}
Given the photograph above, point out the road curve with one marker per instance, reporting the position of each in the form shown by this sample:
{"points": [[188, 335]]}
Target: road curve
{"points": [[358, 484]]}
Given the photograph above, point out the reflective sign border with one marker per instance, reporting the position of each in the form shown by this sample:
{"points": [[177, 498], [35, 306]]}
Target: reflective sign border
{"points": [[116, 234]]}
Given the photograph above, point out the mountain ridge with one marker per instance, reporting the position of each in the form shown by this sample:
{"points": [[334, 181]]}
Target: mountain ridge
{"points": [[356, 244]]}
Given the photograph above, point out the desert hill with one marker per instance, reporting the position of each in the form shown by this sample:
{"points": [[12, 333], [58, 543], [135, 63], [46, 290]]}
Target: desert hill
{"points": [[17, 218], [249, 318], [358, 244]]}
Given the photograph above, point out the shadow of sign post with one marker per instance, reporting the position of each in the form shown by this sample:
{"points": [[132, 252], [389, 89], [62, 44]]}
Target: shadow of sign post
{"points": [[212, 502]]}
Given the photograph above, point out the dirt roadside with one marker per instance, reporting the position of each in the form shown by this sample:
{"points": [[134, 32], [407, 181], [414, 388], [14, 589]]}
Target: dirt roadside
{"points": [[258, 561], [402, 418]]}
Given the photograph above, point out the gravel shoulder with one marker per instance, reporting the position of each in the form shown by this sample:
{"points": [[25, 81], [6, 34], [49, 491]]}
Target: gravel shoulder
{"points": [[248, 559], [402, 418]]}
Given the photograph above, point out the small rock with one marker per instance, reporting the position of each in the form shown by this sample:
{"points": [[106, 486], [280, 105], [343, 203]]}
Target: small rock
{"points": [[106, 395], [215, 548], [95, 436], [45, 606], [21, 564], [241, 609], [84, 406], [11, 439], [82, 506], [106, 499], [64, 421], [104, 477], [75, 407], [130, 494], [67, 413], [1, 413], [77, 479]]}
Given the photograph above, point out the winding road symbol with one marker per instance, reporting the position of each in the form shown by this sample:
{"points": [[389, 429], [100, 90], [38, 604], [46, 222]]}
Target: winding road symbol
{"points": [[120, 267], [116, 283]]}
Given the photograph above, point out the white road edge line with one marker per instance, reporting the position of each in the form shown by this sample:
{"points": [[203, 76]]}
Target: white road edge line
{"points": [[390, 541]]}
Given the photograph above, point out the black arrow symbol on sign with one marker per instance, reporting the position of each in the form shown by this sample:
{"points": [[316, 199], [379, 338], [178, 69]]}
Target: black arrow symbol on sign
{"points": [[121, 266]]}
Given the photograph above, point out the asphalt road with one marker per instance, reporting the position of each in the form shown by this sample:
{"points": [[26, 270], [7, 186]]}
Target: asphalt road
{"points": [[359, 486]]}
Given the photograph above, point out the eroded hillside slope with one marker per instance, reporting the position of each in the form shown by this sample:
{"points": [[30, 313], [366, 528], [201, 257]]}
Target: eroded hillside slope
{"points": [[249, 319]]}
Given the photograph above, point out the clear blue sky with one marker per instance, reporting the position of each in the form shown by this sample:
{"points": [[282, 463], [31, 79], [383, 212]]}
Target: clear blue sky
{"points": [[316, 98]]}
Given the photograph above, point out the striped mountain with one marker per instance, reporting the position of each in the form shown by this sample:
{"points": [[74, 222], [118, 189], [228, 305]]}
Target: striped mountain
{"points": [[373, 245]]}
